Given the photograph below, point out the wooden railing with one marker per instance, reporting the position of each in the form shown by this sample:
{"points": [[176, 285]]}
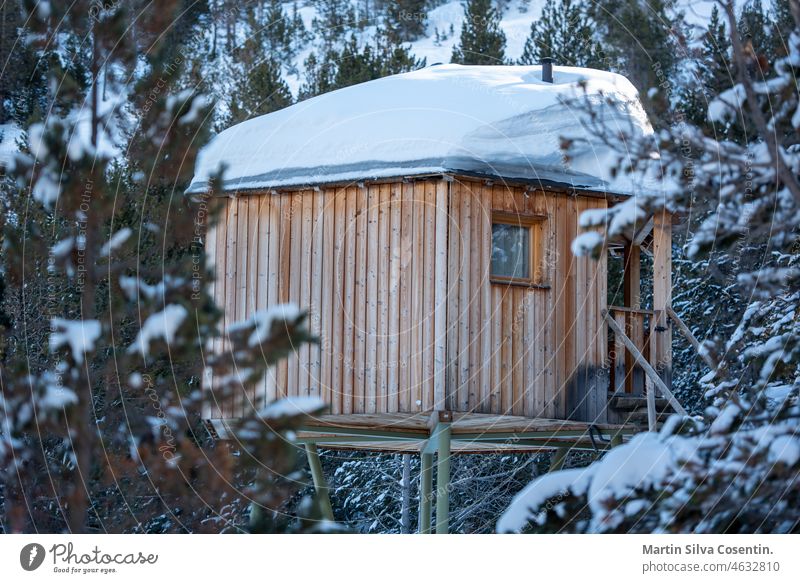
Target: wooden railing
{"points": [[627, 376], [633, 347]]}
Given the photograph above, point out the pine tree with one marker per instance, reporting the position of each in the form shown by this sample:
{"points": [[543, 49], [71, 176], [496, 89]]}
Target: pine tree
{"points": [[713, 74], [261, 90], [334, 20], [640, 38], [783, 24], [727, 471], [716, 54], [356, 64], [258, 86], [23, 89], [106, 389], [276, 29], [755, 27], [482, 41], [319, 75], [565, 33], [406, 20]]}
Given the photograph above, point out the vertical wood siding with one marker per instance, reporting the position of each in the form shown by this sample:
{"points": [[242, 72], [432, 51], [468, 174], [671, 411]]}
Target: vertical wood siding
{"points": [[396, 278]]}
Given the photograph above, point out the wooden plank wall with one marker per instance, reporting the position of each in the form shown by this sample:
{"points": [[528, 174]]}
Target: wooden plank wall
{"points": [[369, 265], [537, 352], [396, 279]]}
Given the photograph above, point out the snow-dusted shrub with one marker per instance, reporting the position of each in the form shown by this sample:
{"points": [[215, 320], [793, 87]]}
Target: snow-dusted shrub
{"points": [[107, 318], [743, 481], [736, 467]]}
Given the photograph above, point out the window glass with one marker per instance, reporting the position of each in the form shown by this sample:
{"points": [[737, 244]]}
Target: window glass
{"points": [[511, 251]]}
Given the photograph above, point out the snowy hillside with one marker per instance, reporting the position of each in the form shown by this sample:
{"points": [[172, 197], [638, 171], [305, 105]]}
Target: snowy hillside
{"points": [[444, 25]]}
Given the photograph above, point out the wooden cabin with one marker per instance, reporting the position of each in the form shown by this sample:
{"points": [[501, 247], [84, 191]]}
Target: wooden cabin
{"points": [[425, 220]]}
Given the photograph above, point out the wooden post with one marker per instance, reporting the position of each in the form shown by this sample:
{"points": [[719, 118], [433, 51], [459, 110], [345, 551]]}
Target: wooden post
{"points": [[620, 376], [320, 485], [631, 279], [632, 298], [425, 493], [443, 480], [559, 457], [648, 369], [662, 293], [405, 508], [650, 391]]}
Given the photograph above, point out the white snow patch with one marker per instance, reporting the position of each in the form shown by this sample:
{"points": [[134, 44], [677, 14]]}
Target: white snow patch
{"points": [[135, 380], [115, 241], [199, 104], [132, 287], [725, 419], [645, 460], [634, 507], [778, 394], [492, 120], [586, 243], [9, 136], [785, 449], [625, 216], [163, 324], [63, 247], [46, 189], [291, 406], [57, 397], [553, 485], [264, 320], [593, 218], [80, 335], [727, 105]]}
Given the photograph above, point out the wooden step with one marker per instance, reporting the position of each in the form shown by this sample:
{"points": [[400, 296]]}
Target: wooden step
{"points": [[630, 402], [640, 416]]}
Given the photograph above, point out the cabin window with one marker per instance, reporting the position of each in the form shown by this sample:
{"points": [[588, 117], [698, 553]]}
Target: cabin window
{"points": [[516, 248]]}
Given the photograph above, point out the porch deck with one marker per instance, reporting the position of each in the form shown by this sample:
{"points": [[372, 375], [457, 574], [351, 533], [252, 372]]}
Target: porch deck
{"points": [[469, 432]]}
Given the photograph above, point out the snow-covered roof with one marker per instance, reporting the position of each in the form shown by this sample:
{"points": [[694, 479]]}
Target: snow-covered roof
{"points": [[501, 121]]}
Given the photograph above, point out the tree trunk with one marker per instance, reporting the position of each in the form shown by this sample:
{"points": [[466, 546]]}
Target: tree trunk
{"points": [[405, 513]]}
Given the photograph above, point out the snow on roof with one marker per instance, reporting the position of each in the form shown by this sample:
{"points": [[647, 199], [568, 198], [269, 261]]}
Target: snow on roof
{"points": [[501, 121]]}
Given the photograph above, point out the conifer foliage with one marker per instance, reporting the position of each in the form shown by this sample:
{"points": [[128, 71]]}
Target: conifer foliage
{"points": [[100, 411], [641, 39], [713, 71], [736, 467], [258, 85], [564, 33], [354, 64], [107, 323], [406, 19], [482, 42]]}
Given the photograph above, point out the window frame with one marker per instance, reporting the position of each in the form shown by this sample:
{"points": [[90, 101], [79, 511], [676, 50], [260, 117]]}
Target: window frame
{"points": [[534, 223]]}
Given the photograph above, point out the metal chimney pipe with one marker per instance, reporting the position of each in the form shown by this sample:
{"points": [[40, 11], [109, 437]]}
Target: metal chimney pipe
{"points": [[547, 69]]}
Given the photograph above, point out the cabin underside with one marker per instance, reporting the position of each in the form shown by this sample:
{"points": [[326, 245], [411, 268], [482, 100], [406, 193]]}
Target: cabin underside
{"points": [[469, 433]]}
